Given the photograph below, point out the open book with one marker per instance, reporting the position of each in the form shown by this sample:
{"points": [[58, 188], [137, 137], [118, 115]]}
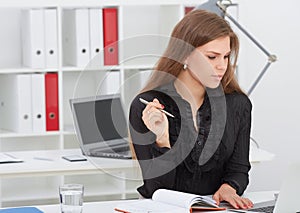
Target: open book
{"points": [[164, 200], [8, 158]]}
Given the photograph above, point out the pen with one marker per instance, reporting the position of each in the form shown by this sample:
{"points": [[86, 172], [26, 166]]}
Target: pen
{"points": [[40, 158], [164, 111], [120, 210], [132, 211]]}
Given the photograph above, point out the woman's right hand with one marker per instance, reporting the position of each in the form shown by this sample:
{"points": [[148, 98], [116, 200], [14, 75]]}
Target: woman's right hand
{"points": [[157, 122]]}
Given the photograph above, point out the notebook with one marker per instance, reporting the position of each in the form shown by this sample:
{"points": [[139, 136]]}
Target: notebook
{"points": [[21, 210], [288, 198], [101, 126], [8, 158]]}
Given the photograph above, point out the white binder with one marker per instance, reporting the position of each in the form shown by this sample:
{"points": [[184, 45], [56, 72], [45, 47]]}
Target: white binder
{"points": [[107, 87], [76, 37], [1, 105], [38, 103], [33, 38], [17, 103], [144, 76], [51, 41], [96, 37]]}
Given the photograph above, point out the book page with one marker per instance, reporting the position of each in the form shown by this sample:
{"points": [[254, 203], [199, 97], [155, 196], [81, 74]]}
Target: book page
{"points": [[148, 205], [173, 197], [185, 200], [204, 201]]}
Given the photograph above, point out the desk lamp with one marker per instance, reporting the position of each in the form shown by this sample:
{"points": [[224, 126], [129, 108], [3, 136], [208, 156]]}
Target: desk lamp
{"points": [[219, 7]]}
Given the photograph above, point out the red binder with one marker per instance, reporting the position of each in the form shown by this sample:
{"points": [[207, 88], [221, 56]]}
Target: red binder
{"points": [[110, 36], [188, 9], [51, 98]]}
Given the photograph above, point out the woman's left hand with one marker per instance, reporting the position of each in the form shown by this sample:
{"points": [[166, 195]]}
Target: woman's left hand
{"points": [[227, 193]]}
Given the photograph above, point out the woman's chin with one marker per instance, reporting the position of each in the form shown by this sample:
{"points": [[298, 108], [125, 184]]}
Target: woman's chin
{"points": [[213, 85]]}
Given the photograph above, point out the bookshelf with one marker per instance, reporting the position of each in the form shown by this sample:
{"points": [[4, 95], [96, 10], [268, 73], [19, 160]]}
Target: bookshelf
{"points": [[143, 30]]}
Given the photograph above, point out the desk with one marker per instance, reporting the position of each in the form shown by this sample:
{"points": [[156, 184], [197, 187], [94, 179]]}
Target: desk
{"points": [[257, 155], [39, 179], [58, 166], [25, 183], [53, 164], [108, 206]]}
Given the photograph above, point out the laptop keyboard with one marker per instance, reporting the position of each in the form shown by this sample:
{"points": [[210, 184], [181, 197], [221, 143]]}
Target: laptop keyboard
{"points": [[113, 149], [122, 152], [265, 209], [120, 155]]}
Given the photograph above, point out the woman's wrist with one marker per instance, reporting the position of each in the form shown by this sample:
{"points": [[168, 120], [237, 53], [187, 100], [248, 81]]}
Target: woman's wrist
{"points": [[163, 141], [232, 184], [226, 185]]}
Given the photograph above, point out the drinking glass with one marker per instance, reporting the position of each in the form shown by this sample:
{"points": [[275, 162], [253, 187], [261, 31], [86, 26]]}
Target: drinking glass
{"points": [[71, 198]]}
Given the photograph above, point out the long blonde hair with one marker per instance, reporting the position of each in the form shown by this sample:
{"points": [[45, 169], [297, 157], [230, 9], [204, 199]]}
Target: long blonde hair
{"points": [[194, 30]]}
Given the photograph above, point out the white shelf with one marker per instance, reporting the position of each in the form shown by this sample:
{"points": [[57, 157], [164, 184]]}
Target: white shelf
{"points": [[79, 69], [25, 70], [141, 67], [107, 190], [71, 133], [37, 179], [93, 3], [143, 30], [37, 189], [9, 134]]}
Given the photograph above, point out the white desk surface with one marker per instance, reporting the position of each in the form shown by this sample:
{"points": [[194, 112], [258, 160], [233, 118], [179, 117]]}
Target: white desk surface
{"points": [[55, 165], [108, 206], [58, 166], [257, 155]]}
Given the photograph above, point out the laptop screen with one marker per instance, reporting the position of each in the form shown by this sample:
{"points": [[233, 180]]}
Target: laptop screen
{"points": [[100, 119]]}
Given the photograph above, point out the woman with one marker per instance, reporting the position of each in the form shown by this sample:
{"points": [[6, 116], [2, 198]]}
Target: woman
{"points": [[204, 148]]}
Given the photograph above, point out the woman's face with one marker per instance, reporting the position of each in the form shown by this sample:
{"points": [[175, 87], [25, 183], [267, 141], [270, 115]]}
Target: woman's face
{"points": [[208, 63]]}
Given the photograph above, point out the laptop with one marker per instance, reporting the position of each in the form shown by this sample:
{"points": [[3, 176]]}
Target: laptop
{"points": [[101, 126], [288, 198]]}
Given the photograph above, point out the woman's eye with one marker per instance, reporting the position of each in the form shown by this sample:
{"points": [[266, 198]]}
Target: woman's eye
{"points": [[211, 57], [226, 56]]}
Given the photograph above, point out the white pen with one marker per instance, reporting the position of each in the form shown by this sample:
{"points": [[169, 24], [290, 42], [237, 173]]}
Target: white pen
{"points": [[164, 111], [42, 158]]}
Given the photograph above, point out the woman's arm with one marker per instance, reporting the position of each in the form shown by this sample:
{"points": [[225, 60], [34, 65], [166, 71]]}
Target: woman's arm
{"points": [[236, 176], [156, 167], [238, 166]]}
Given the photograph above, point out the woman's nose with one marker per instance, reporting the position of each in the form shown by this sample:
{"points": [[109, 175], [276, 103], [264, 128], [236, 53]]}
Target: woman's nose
{"points": [[222, 65]]}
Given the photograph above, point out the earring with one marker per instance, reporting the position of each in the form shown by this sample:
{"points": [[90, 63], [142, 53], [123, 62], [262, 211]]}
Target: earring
{"points": [[185, 66]]}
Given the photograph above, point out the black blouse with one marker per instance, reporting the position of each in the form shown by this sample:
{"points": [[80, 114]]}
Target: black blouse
{"points": [[200, 159]]}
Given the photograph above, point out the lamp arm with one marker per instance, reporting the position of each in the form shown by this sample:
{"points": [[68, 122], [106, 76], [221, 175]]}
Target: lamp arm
{"points": [[258, 78], [255, 142], [272, 58]]}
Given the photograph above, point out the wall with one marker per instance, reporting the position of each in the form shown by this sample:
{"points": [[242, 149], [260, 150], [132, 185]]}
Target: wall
{"points": [[276, 100]]}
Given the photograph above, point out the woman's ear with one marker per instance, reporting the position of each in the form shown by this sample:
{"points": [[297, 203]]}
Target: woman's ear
{"points": [[185, 64]]}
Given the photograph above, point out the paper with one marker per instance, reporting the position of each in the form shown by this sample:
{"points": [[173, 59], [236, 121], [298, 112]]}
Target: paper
{"points": [[144, 206], [8, 158]]}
